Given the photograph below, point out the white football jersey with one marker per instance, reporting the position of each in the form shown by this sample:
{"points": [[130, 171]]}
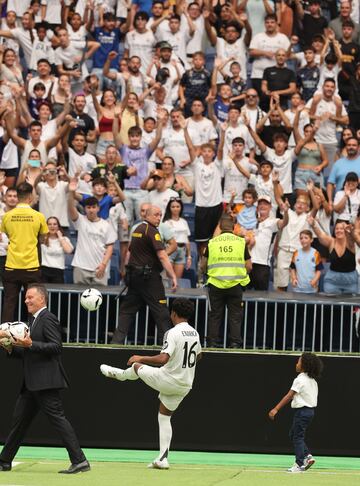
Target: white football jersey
{"points": [[182, 344]]}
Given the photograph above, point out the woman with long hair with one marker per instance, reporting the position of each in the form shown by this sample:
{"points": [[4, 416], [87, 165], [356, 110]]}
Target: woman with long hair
{"points": [[181, 258], [311, 156], [342, 277], [53, 250], [105, 111]]}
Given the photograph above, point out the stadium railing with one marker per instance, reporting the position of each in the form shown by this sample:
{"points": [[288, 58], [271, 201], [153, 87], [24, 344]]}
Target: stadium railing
{"points": [[285, 321]]}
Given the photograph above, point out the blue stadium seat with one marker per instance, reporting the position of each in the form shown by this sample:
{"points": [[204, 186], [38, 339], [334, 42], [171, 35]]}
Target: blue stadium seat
{"points": [[189, 215]]}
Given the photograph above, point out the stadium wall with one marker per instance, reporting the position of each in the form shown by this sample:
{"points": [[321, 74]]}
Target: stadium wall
{"points": [[226, 410]]}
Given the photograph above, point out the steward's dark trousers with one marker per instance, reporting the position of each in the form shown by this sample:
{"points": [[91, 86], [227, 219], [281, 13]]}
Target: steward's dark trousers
{"points": [[13, 281], [302, 419], [27, 406], [143, 290], [219, 298]]}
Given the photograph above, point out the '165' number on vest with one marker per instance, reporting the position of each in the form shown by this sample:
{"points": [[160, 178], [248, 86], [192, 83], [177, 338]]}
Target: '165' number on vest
{"points": [[189, 355]]}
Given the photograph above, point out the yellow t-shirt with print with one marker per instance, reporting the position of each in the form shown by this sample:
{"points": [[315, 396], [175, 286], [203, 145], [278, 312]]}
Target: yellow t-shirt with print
{"points": [[23, 225]]}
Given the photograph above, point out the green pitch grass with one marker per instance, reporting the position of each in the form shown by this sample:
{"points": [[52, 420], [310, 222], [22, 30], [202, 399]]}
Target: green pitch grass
{"points": [[39, 466]]}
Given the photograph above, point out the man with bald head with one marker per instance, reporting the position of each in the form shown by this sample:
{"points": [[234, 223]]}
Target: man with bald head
{"points": [[278, 81], [146, 259]]}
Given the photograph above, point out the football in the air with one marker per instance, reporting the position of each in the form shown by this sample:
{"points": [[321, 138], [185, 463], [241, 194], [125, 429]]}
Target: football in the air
{"points": [[91, 299], [18, 329]]}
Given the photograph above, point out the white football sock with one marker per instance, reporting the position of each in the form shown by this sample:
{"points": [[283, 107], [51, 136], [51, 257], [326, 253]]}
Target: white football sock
{"points": [[165, 435], [130, 374]]}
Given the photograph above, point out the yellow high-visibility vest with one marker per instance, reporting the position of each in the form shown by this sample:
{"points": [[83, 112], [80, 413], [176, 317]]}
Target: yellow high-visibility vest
{"points": [[226, 261]]}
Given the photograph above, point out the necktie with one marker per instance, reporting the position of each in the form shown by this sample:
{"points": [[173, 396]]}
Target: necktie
{"points": [[31, 321]]}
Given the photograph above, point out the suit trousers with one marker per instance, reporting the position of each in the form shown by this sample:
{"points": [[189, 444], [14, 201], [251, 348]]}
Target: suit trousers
{"points": [[142, 291], [13, 281], [27, 406]]}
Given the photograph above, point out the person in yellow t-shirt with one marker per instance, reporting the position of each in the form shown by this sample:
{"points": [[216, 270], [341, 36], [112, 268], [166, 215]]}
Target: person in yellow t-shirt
{"points": [[23, 226]]}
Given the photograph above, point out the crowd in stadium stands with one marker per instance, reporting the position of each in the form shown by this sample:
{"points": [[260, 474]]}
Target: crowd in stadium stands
{"points": [[197, 107]]}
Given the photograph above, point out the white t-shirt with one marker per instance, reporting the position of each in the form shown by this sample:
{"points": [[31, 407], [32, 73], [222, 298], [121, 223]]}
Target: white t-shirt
{"points": [[24, 39], [182, 344], [162, 29], [178, 42], [53, 256], [254, 116], [234, 180], [9, 159], [141, 45], [240, 131], [283, 164], [289, 239], [174, 145], [46, 83], [53, 201], [180, 229], [303, 120], [71, 56], [161, 199], [173, 75], [237, 50], [136, 84], [352, 204], [326, 132], [41, 50], [93, 237], [261, 251], [208, 191], [264, 188], [53, 11], [85, 164], [201, 131], [198, 40], [266, 42], [306, 389], [326, 73]]}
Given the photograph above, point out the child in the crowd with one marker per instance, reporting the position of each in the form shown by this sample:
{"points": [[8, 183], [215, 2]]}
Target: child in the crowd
{"points": [[35, 102], [303, 396], [246, 218], [330, 63], [235, 81], [306, 265], [100, 187]]}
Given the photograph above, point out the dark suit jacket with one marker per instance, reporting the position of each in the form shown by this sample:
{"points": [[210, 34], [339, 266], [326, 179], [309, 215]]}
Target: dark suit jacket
{"points": [[43, 369]]}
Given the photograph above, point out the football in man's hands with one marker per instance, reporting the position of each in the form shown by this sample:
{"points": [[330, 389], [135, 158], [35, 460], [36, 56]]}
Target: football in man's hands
{"points": [[91, 299]]}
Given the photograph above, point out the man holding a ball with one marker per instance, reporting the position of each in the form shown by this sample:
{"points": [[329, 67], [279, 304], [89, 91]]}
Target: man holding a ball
{"points": [[44, 377]]}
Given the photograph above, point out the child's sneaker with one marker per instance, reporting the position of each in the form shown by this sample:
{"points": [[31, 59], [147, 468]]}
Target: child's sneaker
{"points": [[308, 462], [296, 468]]}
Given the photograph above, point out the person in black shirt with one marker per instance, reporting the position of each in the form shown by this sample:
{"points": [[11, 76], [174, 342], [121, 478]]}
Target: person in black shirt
{"points": [[84, 122], [195, 83], [147, 259], [350, 56], [279, 123], [112, 164], [308, 77], [278, 80], [313, 23]]}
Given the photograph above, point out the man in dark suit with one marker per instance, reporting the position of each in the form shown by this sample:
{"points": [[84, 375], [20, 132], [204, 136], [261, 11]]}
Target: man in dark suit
{"points": [[44, 377]]}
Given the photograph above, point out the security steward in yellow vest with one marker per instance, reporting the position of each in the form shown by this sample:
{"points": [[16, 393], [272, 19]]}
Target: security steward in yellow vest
{"points": [[147, 258], [228, 265]]}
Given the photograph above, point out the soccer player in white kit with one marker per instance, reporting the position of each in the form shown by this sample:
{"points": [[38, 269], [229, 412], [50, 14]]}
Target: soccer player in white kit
{"points": [[177, 360]]}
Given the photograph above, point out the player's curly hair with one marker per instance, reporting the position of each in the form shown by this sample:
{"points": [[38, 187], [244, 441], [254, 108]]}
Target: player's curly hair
{"points": [[312, 365]]}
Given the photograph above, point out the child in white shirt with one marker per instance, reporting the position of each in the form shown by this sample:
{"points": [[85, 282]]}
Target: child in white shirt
{"points": [[303, 395]]}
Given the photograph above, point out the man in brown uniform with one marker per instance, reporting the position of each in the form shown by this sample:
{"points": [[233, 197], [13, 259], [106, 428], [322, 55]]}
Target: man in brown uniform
{"points": [[147, 258]]}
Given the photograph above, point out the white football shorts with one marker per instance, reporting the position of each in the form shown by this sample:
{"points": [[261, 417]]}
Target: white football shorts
{"points": [[171, 395]]}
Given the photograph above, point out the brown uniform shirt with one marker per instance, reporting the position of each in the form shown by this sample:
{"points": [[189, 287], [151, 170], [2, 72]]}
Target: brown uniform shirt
{"points": [[145, 243]]}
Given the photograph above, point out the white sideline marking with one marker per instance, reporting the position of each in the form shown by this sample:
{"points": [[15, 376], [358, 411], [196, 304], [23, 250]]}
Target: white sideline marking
{"points": [[272, 471]]}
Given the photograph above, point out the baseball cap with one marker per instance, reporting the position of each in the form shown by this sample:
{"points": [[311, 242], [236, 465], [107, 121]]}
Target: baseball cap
{"points": [[165, 45], [264, 198], [158, 173]]}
